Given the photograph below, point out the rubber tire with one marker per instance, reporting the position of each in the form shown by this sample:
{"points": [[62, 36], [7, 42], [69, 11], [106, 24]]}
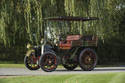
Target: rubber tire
{"points": [[41, 58], [83, 65]]}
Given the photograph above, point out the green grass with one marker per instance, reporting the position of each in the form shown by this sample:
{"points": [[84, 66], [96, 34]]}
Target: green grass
{"points": [[17, 66], [11, 62], [81, 78], [12, 65]]}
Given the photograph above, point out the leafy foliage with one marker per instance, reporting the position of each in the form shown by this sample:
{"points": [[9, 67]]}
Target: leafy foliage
{"points": [[21, 20]]}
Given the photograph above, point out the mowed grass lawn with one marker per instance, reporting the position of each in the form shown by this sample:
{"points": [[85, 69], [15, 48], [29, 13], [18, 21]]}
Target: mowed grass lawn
{"points": [[18, 66], [12, 66], [81, 78]]}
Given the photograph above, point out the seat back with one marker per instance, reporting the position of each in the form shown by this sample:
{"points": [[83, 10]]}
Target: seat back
{"points": [[73, 37]]}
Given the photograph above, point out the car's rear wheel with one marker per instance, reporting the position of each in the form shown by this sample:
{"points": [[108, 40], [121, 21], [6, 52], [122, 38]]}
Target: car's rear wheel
{"points": [[68, 64], [88, 59]]}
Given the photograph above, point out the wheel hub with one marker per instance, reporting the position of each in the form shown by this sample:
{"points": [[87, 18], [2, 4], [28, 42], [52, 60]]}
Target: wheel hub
{"points": [[88, 59], [49, 61]]}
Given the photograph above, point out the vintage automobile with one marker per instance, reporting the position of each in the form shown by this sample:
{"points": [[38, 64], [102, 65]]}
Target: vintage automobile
{"points": [[70, 51]]}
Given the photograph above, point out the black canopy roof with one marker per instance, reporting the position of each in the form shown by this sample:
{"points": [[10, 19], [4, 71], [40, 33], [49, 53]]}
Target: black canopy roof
{"points": [[71, 18]]}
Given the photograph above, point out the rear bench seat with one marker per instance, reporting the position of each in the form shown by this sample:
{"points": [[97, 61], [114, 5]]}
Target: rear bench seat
{"points": [[69, 39]]}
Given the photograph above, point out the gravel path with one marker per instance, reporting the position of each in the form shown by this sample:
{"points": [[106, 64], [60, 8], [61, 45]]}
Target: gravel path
{"points": [[25, 72]]}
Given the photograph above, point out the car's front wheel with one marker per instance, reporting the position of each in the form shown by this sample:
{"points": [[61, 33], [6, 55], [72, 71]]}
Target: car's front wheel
{"points": [[31, 62]]}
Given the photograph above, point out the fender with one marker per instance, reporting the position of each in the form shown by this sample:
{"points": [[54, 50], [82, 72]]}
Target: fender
{"points": [[29, 51]]}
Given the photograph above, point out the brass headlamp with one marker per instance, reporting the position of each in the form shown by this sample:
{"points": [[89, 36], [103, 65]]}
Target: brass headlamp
{"points": [[28, 46]]}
